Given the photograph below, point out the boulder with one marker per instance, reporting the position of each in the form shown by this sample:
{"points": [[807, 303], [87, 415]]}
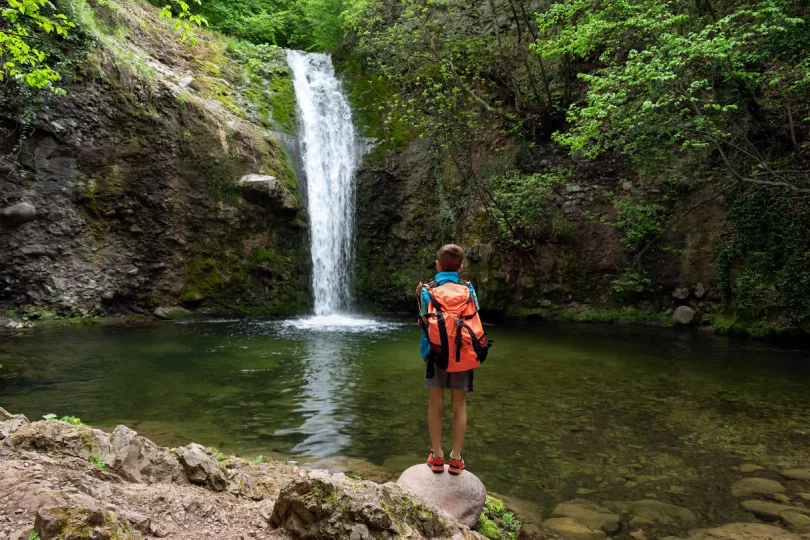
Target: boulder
{"points": [[653, 511], [201, 467], [19, 213], [594, 516], [681, 293], [684, 315], [170, 312], [797, 474], [266, 190], [700, 291], [752, 487], [462, 496], [770, 511], [571, 529], [12, 424], [62, 438], [138, 459], [743, 531], [323, 505]]}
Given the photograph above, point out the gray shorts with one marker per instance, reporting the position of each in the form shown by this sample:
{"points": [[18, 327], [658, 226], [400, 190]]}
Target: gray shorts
{"points": [[461, 380]]}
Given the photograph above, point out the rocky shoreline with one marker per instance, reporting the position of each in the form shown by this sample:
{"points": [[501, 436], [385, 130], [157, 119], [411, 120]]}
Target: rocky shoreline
{"points": [[62, 479]]}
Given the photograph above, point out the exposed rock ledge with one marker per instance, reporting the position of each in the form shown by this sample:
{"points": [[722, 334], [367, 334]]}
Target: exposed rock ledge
{"points": [[72, 481]]}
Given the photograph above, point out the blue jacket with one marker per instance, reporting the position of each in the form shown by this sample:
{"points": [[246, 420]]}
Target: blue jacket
{"points": [[441, 279]]}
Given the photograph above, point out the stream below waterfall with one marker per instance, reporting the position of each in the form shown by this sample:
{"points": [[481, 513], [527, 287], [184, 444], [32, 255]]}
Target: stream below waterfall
{"points": [[557, 411]]}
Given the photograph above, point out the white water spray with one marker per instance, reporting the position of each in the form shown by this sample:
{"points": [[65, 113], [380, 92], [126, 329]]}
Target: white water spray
{"points": [[330, 154]]}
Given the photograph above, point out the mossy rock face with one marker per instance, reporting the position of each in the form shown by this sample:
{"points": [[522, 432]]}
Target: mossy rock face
{"points": [[497, 522]]}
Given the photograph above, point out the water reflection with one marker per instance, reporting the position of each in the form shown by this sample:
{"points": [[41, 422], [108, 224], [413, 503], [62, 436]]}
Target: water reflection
{"points": [[328, 372]]}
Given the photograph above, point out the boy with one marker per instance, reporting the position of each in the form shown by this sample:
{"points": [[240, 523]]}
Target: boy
{"points": [[458, 304]]}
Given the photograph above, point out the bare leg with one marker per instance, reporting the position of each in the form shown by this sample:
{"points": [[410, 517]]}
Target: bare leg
{"points": [[459, 403], [435, 406]]}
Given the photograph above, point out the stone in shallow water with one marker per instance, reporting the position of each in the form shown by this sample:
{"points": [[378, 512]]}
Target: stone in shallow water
{"points": [[750, 467], [571, 529], [768, 511], [655, 511], [592, 515], [741, 531], [796, 522], [797, 474], [461, 496], [751, 487]]}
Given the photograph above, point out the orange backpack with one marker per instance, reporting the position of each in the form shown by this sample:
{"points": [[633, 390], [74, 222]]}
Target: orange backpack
{"points": [[457, 338]]}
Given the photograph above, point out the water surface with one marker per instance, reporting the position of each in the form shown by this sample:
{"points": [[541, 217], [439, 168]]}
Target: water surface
{"points": [[557, 412]]}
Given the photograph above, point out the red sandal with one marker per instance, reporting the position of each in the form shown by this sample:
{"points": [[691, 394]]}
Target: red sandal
{"points": [[456, 465], [436, 464]]}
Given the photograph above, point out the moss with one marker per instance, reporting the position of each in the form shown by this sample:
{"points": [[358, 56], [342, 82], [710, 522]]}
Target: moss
{"points": [[488, 528], [599, 315], [497, 522]]}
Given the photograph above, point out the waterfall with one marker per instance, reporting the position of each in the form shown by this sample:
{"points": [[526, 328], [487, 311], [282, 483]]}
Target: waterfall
{"points": [[330, 155]]}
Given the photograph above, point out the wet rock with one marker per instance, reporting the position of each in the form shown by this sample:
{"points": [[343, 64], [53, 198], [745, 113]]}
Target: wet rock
{"points": [[19, 213], [190, 82], [805, 496], [797, 474], [201, 467], [681, 293], [796, 521], [170, 312], [323, 505], [750, 467], [684, 315], [571, 529], [108, 296], [592, 515], [700, 291], [654, 511], [462, 496], [546, 304], [752, 487], [266, 190], [770, 511], [741, 531], [140, 460]]}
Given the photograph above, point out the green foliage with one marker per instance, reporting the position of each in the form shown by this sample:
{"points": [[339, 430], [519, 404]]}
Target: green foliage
{"points": [[72, 420], [33, 536], [259, 460], [763, 258], [521, 206], [98, 463], [496, 522], [183, 20], [638, 221], [22, 59]]}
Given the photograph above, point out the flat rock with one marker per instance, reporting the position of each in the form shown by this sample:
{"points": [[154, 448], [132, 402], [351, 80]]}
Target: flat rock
{"points": [[263, 189], [743, 531], [770, 511], [750, 467], [796, 522], [805, 496], [19, 213], [462, 496], [797, 474], [654, 511], [752, 487], [571, 529], [592, 515]]}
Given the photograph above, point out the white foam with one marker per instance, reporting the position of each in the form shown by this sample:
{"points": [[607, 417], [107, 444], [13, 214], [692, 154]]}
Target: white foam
{"points": [[340, 323]]}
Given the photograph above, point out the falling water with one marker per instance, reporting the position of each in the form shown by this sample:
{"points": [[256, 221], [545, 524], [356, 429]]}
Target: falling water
{"points": [[330, 153]]}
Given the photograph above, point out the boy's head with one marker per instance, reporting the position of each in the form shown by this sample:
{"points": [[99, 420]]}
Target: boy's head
{"points": [[449, 258]]}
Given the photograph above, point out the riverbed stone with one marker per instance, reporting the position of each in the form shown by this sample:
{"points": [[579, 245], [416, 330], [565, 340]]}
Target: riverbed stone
{"points": [[741, 531], [796, 521], [462, 496], [770, 511], [750, 468], [170, 312], [571, 529], [684, 315], [805, 496], [590, 514], [657, 512], [797, 474], [681, 293], [752, 487]]}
